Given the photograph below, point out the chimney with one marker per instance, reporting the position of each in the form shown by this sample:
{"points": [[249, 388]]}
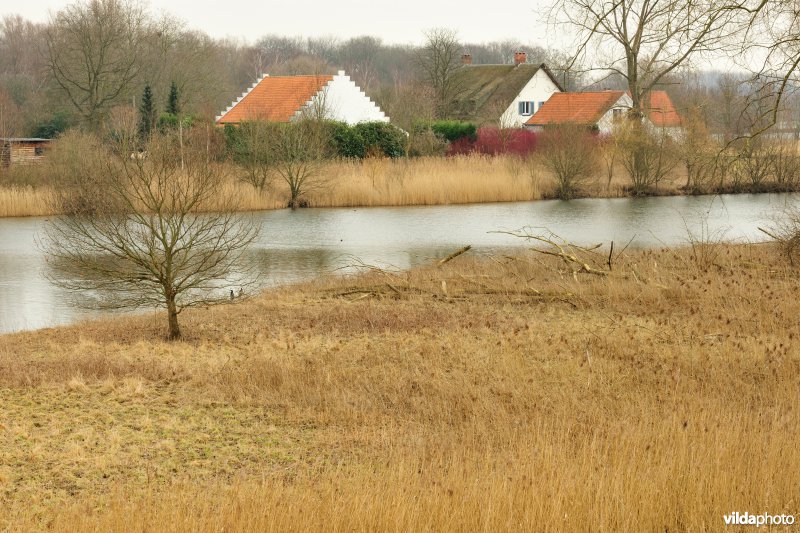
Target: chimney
{"points": [[466, 59], [520, 58]]}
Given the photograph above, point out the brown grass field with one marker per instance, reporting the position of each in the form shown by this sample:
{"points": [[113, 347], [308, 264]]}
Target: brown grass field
{"points": [[488, 394], [374, 182]]}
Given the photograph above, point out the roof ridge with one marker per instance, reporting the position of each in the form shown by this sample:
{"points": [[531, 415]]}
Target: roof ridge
{"points": [[244, 94]]}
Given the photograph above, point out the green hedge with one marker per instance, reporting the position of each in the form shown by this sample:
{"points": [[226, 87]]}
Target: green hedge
{"points": [[347, 141], [450, 130], [350, 142], [383, 136]]}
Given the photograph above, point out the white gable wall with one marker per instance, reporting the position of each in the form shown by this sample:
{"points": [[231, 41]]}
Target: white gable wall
{"points": [[341, 99], [538, 89], [605, 125]]}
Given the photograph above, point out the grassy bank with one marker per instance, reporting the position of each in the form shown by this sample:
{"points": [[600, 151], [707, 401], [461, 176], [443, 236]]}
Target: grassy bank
{"points": [[492, 394]]}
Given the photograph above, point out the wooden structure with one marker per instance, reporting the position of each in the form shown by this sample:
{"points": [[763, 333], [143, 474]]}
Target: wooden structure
{"points": [[21, 151]]}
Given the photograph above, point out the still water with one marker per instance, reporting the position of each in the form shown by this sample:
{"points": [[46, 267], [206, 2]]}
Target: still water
{"points": [[300, 245]]}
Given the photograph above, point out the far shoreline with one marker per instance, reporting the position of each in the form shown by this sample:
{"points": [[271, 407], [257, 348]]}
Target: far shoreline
{"points": [[33, 194]]}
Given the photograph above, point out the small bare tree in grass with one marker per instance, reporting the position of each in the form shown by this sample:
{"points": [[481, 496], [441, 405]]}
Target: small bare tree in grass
{"points": [[156, 234], [298, 151], [647, 155], [570, 154]]}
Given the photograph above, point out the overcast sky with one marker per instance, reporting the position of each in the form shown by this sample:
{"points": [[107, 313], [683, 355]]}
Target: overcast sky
{"points": [[396, 21]]}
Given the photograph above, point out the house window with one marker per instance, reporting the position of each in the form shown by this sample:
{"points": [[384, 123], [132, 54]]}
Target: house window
{"points": [[541, 104], [526, 108], [38, 150], [617, 113]]}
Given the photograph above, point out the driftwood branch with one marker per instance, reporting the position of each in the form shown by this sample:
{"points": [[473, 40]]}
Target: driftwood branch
{"points": [[564, 250], [454, 255], [769, 234]]}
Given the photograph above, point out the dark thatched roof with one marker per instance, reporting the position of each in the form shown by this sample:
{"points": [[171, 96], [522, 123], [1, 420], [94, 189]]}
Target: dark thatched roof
{"points": [[483, 92]]}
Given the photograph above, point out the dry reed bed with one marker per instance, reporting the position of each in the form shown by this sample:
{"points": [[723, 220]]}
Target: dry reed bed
{"points": [[378, 182], [25, 201], [514, 396]]}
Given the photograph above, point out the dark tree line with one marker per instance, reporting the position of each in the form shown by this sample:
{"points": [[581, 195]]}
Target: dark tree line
{"points": [[46, 86]]}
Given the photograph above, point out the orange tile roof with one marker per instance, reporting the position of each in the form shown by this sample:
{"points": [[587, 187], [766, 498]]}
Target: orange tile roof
{"points": [[575, 108], [275, 99], [660, 110]]}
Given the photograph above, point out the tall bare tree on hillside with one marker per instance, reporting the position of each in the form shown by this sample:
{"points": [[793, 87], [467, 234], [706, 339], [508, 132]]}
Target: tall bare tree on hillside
{"points": [[93, 50], [438, 59]]}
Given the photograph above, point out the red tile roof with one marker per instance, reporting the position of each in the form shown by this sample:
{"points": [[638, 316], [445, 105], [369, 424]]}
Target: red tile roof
{"points": [[575, 108], [660, 110], [275, 99]]}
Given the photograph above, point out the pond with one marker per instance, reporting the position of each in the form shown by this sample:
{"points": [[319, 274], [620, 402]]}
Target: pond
{"points": [[300, 245]]}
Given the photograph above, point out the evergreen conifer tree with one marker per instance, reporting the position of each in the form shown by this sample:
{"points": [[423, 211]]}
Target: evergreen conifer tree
{"points": [[147, 113], [173, 102]]}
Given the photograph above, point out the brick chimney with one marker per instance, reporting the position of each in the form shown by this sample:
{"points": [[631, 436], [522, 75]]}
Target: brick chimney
{"points": [[520, 58], [466, 59]]}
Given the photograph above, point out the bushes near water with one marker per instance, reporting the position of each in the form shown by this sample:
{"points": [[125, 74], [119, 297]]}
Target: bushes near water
{"points": [[496, 141]]}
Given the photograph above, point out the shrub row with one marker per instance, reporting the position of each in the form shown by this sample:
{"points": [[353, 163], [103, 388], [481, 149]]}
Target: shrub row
{"points": [[365, 139], [342, 140], [496, 141]]}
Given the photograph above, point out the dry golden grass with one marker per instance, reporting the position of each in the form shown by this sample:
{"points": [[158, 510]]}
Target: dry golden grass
{"points": [[433, 181], [513, 396], [24, 201], [428, 181], [399, 182], [384, 182]]}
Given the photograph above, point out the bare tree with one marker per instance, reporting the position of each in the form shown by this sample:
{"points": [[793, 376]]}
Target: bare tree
{"points": [[644, 41], [570, 154], [407, 102], [359, 58], [297, 152], [697, 152], [93, 50], [21, 67], [292, 154], [254, 152], [438, 59], [647, 155], [154, 235], [774, 31]]}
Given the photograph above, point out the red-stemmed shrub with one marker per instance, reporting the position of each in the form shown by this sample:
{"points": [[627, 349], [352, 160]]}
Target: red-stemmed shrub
{"points": [[495, 141]]}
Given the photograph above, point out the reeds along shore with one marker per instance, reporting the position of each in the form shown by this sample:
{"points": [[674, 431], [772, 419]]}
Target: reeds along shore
{"points": [[372, 182], [25, 201], [399, 182], [488, 394]]}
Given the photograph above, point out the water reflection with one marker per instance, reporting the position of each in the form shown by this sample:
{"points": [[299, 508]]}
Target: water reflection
{"points": [[299, 245]]}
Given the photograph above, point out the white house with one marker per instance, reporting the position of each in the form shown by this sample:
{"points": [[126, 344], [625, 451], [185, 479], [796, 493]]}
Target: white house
{"points": [[505, 95], [599, 110], [288, 98], [595, 110]]}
